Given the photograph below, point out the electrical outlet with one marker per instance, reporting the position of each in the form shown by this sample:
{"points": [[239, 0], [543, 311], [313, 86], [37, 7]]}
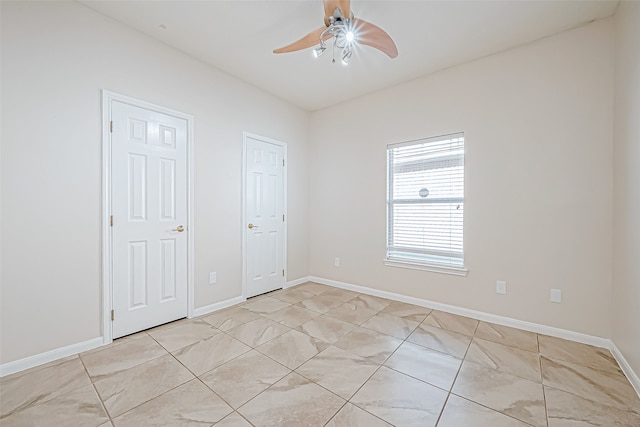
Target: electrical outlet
{"points": [[336, 262], [213, 277], [556, 295], [501, 287]]}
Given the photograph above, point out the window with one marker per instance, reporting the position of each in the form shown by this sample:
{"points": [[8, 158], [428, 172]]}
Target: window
{"points": [[425, 204]]}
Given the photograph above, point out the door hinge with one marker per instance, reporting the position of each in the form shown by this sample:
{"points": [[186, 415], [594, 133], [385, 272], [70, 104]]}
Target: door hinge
{"points": [[111, 126], [111, 220], [282, 217], [282, 162], [113, 315], [282, 273]]}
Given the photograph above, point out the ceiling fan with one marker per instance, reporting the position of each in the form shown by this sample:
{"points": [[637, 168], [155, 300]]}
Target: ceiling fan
{"points": [[347, 31]]}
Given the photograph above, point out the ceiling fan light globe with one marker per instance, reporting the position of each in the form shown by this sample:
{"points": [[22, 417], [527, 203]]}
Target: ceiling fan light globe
{"points": [[350, 36]]}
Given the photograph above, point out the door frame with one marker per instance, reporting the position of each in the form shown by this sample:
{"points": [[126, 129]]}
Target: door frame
{"points": [[107, 262], [246, 135]]}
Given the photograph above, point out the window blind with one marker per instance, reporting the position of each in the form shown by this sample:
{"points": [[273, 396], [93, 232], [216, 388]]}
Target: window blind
{"points": [[426, 201]]}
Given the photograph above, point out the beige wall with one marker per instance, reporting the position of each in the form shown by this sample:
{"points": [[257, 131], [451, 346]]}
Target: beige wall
{"points": [[538, 127], [56, 57], [626, 219]]}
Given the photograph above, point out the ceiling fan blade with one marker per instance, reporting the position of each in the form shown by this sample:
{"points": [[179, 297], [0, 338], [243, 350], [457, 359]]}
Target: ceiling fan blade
{"points": [[331, 5], [374, 36], [310, 40], [345, 8]]}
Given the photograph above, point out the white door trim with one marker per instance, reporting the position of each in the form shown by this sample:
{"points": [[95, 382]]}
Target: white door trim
{"points": [[107, 273], [246, 135]]}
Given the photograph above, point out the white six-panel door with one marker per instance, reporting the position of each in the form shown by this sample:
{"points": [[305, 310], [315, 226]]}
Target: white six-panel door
{"points": [[265, 220], [149, 207]]}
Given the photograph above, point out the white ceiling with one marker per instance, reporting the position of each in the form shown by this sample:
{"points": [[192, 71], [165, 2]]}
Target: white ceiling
{"points": [[238, 36]]}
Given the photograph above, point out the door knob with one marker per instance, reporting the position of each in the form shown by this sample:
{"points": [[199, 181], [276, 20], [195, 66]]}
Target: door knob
{"points": [[252, 226], [180, 229]]}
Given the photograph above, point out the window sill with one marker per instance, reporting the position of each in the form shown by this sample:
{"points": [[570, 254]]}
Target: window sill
{"points": [[434, 268]]}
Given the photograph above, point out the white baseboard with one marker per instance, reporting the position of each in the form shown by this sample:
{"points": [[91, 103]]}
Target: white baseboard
{"points": [[49, 356], [71, 350], [201, 311], [296, 282], [626, 368], [499, 320], [478, 315]]}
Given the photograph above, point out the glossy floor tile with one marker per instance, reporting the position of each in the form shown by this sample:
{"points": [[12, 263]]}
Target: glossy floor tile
{"points": [[430, 366], [119, 357], [461, 412], [514, 396], [125, 390], [339, 371], [210, 353], [292, 316], [326, 328], [233, 420], [294, 295], [191, 404], [371, 302], [407, 311], [265, 305], [522, 363], [452, 322], [293, 348], [400, 399], [341, 294], [353, 312], [389, 324], [230, 318], [440, 339], [244, 377], [321, 303], [566, 409], [20, 392], [370, 344], [184, 334], [315, 355], [257, 331], [351, 415], [611, 389], [292, 401], [80, 407], [581, 354], [512, 337], [314, 288]]}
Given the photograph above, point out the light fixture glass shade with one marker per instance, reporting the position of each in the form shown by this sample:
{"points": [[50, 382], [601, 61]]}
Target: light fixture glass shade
{"points": [[346, 57], [318, 51]]}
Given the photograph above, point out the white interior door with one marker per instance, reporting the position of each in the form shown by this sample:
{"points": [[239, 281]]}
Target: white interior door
{"points": [[149, 207], [265, 216]]}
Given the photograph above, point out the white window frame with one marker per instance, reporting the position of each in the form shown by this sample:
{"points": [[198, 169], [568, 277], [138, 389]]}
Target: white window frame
{"points": [[395, 258]]}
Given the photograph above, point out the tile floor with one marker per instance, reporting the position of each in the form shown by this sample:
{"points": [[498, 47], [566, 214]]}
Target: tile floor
{"points": [[314, 355]]}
